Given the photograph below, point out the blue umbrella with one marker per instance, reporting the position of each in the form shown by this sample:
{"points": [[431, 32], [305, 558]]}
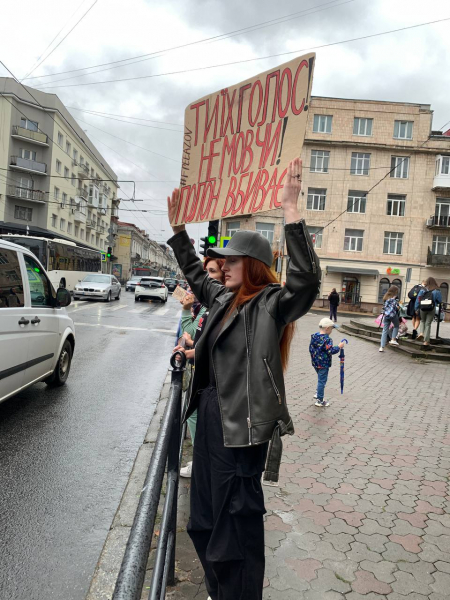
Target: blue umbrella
{"points": [[342, 359]]}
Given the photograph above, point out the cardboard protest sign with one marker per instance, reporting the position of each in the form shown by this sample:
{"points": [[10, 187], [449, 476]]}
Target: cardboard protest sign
{"points": [[238, 143], [179, 293]]}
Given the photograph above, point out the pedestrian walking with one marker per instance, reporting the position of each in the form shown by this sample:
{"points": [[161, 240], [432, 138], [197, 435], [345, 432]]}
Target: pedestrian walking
{"points": [[427, 299], [333, 299], [411, 310], [238, 387], [322, 349], [391, 316]]}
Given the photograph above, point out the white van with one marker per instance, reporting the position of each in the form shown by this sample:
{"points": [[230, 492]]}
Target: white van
{"points": [[37, 337]]}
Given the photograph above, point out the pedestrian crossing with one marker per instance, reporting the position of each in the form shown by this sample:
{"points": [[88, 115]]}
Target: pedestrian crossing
{"points": [[98, 307]]}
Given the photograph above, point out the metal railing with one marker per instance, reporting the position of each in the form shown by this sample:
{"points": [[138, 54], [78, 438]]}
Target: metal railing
{"points": [[29, 165], [167, 449], [32, 136], [25, 193]]}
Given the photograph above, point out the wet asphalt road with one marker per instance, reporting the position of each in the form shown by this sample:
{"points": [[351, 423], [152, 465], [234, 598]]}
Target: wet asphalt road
{"points": [[65, 454]]}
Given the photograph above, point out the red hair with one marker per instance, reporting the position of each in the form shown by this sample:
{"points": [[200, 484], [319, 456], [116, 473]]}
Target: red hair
{"points": [[255, 277], [220, 262]]}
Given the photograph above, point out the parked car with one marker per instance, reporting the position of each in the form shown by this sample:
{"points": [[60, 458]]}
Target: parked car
{"points": [[37, 337], [98, 286], [151, 288], [131, 283], [182, 283], [171, 284]]}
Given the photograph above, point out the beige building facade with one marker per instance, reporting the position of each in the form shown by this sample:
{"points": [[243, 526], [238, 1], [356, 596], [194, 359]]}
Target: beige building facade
{"points": [[375, 196], [53, 181]]}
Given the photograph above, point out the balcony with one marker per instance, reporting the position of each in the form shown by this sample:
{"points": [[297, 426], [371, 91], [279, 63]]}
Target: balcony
{"points": [[441, 222], [78, 215], [81, 193], [30, 166], [83, 171], [438, 260], [102, 210], [14, 191], [35, 137], [101, 229], [441, 180], [90, 224]]}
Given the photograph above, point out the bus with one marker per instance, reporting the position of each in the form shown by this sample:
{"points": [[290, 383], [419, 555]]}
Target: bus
{"points": [[66, 263]]}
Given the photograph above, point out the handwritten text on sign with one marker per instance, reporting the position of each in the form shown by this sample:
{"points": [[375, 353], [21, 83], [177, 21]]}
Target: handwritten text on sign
{"points": [[238, 143]]}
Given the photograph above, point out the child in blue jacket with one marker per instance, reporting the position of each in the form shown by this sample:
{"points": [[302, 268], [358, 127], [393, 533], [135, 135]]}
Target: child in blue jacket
{"points": [[321, 349]]}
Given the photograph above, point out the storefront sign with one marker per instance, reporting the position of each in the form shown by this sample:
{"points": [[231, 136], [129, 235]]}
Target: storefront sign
{"points": [[391, 271]]}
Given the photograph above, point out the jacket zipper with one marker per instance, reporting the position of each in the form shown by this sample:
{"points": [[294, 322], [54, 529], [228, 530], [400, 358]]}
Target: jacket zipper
{"points": [[249, 418], [308, 244], [274, 385]]}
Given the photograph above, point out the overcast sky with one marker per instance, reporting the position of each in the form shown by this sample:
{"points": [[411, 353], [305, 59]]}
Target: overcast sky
{"points": [[409, 66]]}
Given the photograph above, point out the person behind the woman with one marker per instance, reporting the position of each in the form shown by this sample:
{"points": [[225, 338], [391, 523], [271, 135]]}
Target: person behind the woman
{"points": [[238, 387], [333, 299], [411, 310], [428, 311], [213, 266], [391, 315]]}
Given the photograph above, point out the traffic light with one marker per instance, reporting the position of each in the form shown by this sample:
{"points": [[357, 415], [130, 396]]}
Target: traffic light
{"points": [[211, 239], [109, 253]]}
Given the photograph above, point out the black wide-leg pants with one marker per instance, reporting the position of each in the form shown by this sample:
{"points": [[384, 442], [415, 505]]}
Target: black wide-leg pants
{"points": [[227, 508]]}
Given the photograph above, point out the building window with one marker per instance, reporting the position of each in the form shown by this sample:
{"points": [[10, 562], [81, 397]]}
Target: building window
{"points": [[319, 161], [58, 166], [400, 167], [316, 236], [30, 125], [81, 234], [444, 165], [27, 154], [73, 180], [403, 130], [383, 287], [322, 123], [92, 239], [316, 199], [393, 242], [362, 126], [66, 173], [62, 224], [64, 199], [23, 214], [266, 229], [353, 241], [441, 244], [56, 193], [356, 201], [442, 212], [54, 218], [444, 291], [396, 205], [75, 155], [77, 230], [69, 228], [68, 148], [233, 227], [360, 164], [60, 139]]}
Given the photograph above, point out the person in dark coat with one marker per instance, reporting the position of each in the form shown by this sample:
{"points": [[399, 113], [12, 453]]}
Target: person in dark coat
{"points": [[333, 299]]}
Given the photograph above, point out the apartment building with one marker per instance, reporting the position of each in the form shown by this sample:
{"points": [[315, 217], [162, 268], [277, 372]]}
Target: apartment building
{"points": [[53, 181], [371, 237], [135, 250]]}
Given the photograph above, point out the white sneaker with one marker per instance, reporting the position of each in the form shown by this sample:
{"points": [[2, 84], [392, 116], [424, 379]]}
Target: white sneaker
{"points": [[394, 343], [381, 350], [187, 470], [315, 396]]}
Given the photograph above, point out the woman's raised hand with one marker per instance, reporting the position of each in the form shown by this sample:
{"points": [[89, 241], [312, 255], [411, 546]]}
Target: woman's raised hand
{"points": [[172, 205], [291, 191]]}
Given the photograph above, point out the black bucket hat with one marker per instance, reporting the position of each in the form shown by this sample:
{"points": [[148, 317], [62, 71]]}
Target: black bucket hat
{"points": [[246, 243]]}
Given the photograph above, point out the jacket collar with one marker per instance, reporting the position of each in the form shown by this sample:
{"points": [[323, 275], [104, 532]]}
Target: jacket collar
{"points": [[227, 296]]}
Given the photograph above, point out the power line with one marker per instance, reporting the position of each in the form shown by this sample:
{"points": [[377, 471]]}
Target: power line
{"points": [[209, 39], [62, 28], [65, 37], [96, 112], [122, 121], [365, 37]]}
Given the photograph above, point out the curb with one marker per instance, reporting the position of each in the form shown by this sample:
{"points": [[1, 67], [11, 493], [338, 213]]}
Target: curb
{"points": [[108, 565]]}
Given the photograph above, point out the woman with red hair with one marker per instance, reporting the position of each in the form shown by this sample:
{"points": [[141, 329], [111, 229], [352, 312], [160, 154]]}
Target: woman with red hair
{"points": [[238, 389]]}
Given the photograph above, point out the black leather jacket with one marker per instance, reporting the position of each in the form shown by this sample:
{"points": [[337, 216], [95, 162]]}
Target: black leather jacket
{"points": [[246, 355]]}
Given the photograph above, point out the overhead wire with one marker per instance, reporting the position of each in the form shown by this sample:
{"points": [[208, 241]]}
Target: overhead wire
{"points": [[122, 121], [236, 62], [219, 37], [96, 112]]}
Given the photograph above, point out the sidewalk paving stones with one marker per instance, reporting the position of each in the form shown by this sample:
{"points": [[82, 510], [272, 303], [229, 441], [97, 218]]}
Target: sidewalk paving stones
{"points": [[361, 511]]}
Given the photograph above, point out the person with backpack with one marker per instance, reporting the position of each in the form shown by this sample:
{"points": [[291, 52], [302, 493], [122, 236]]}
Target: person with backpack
{"points": [[390, 308], [411, 310], [427, 299], [333, 299]]}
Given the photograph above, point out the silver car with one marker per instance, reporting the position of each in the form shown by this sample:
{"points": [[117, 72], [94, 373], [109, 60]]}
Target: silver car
{"points": [[132, 283], [98, 286]]}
